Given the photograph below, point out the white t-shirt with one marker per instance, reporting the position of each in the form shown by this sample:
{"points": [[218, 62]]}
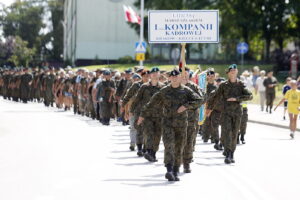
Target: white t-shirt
{"points": [[260, 84]]}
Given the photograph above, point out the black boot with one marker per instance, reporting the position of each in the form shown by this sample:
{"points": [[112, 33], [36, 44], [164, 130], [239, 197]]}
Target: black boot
{"points": [[140, 152], [148, 155], [228, 157], [154, 156], [217, 146], [169, 175], [187, 168], [176, 172], [243, 139], [232, 157]]}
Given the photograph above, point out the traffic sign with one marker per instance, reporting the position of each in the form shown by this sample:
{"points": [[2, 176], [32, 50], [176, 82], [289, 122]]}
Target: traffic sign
{"points": [[242, 48], [140, 47], [140, 57]]}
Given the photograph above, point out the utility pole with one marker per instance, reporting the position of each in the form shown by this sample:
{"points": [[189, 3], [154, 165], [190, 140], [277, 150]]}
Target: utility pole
{"points": [[142, 26]]}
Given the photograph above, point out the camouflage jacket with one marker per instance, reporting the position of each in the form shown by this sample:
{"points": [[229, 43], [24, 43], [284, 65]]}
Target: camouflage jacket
{"points": [[131, 92], [170, 99], [228, 90], [143, 96], [193, 115]]}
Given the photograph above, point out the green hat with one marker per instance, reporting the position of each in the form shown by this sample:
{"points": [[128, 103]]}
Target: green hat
{"points": [[233, 66]]}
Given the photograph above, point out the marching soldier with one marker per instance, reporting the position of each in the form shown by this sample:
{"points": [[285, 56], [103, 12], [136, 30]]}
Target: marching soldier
{"points": [[26, 79], [193, 116], [174, 99], [105, 94], [152, 126], [231, 93], [135, 131]]}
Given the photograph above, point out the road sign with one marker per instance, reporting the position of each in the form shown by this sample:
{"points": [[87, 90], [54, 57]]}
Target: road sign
{"points": [[140, 57], [183, 26], [242, 48], [140, 47]]}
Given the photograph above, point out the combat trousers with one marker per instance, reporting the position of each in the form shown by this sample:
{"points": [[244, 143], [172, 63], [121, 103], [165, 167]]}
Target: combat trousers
{"points": [[230, 125], [207, 129], [189, 142], [139, 131], [132, 131], [174, 138], [244, 121], [152, 132]]}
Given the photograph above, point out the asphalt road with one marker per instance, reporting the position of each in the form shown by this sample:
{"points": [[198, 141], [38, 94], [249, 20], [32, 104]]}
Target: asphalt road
{"points": [[48, 154]]}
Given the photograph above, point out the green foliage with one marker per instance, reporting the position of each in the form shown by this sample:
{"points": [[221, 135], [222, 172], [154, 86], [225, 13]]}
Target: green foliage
{"points": [[257, 22], [125, 60], [22, 55]]}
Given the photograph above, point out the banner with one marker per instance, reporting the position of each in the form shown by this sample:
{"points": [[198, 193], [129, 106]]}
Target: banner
{"points": [[183, 26], [202, 86]]}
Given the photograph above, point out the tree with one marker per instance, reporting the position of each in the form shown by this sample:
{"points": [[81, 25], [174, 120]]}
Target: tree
{"points": [[21, 54], [24, 19], [56, 8]]}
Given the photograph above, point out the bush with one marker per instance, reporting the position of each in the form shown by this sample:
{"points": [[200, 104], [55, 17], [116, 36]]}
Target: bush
{"points": [[126, 60]]}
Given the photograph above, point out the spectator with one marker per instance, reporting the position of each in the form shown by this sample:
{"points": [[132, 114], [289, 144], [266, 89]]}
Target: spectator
{"points": [[255, 75], [261, 89]]}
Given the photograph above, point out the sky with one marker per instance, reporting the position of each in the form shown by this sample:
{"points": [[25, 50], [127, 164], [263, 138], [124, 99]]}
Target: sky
{"points": [[7, 2]]}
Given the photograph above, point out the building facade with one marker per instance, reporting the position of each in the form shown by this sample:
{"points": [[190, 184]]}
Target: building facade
{"points": [[97, 30]]}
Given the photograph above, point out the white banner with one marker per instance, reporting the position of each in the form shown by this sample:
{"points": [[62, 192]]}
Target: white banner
{"points": [[183, 26]]}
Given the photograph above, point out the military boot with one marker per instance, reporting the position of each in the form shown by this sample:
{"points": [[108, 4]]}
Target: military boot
{"points": [[232, 157], [218, 146], [169, 175], [228, 157], [176, 172], [187, 168], [140, 152], [243, 139], [154, 156], [148, 155]]}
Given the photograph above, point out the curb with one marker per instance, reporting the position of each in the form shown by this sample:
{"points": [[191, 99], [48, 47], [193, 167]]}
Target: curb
{"points": [[271, 124]]}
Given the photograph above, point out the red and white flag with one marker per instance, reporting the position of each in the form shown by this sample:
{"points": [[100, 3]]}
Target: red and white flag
{"points": [[131, 16]]}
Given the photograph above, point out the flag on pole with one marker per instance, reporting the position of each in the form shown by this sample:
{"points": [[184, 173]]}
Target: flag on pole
{"points": [[131, 16]]}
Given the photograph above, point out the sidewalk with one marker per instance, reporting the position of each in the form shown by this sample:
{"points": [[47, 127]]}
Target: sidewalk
{"points": [[255, 115]]}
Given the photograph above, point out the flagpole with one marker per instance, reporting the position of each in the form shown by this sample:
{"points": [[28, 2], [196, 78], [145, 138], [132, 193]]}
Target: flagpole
{"points": [[142, 26]]}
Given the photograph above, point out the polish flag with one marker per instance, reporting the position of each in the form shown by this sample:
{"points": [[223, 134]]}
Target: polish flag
{"points": [[131, 16]]}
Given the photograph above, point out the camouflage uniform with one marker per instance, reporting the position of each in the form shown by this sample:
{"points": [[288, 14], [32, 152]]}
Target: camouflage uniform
{"points": [[231, 111], [49, 96], [152, 126], [25, 87], [106, 103], [128, 98], [175, 124], [193, 117], [243, 125], [207, 126]]}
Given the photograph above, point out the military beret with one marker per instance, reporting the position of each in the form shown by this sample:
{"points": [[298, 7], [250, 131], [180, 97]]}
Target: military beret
{"points": [[145, 72], [233, 66], [210, 72], [186, 69], [154, 69], [128, 71], [220, 80], [174, 73], [107, 73], [136, 76]]}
